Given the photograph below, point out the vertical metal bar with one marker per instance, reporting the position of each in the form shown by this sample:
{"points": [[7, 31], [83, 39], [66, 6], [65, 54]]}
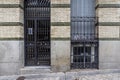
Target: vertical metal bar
{"points": [[25, 48], [80, 56], [77, 16], [35, 33], [87, 18], [84, 54], [38, 32], [77, 56]]}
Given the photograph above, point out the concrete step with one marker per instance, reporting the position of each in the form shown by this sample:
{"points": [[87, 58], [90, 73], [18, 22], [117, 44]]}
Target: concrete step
{"points": [[45, 76], [41, 76], [35, 70]]}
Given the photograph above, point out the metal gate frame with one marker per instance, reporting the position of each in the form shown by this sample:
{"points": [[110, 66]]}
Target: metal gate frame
{"points": [[42, 44]]}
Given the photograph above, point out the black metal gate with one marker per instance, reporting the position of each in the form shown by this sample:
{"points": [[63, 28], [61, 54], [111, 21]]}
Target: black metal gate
{"points": [[84, 34], [37, 32]]}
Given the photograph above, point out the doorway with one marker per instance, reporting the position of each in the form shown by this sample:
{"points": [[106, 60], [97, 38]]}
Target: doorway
{"points": [[37, 32]]}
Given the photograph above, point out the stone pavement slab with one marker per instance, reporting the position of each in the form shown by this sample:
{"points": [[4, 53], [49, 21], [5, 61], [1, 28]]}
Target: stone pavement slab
{"points": [[71, 75]]}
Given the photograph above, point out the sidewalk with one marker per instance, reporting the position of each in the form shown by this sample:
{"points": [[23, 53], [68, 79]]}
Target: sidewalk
{"points": [[71, 75]]}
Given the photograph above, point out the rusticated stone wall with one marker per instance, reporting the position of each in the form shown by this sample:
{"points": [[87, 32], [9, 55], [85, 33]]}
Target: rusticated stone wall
{"points": [[60, 35], [11, 36], [108, 12]]}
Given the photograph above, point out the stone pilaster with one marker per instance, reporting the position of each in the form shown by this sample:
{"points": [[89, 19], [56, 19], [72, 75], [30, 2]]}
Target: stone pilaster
{"points": [[60, 35], [11, 36], [108, 12]]}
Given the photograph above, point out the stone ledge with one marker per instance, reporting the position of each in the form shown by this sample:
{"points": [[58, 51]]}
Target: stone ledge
{"points": [[60, 5], [109, 39], [109, 23], [60, 38], [35, 70], [3, 39], [107, 6], [60, 23], [11, 6], [11, 24]]}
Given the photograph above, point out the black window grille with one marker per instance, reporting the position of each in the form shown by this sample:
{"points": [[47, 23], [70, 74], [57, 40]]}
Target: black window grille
{"points": [[84, 34], [37, 32]]}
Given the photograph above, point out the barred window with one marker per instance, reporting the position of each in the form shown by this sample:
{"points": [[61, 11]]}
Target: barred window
{"points": [[83, 19], [84, 34]]}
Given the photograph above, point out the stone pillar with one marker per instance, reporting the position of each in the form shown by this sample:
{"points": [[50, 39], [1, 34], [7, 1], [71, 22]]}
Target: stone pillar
{"points": [[60, 35], [11, 36], [108, 12]]}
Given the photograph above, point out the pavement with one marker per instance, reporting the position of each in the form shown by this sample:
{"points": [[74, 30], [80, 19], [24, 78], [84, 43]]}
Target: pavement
{"points": [[70, 75]]}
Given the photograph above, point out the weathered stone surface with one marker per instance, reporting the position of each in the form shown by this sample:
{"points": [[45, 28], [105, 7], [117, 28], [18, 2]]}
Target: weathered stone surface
{"points": [[108, 14], [10, 1], [60, 31], [9, 68], [11, 57], [21, 15], [60, 1], [60, 14], [109, 31], [109, 65], [35, 70], [60, 55], [9, 51], [108, 1], [11, 32], [11, 15], [21, 54], [109, 54]]}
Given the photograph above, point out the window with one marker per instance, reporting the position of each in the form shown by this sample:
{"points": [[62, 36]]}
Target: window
{"points": [[84, 56], [84, 34]]}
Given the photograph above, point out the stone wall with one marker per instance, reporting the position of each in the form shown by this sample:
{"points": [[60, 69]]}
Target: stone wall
{"points": [[60, 35], [11, 36], [108, 1], [108, 12]]}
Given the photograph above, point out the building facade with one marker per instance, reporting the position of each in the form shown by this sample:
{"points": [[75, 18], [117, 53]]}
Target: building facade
{"points": [[59, 34]]}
